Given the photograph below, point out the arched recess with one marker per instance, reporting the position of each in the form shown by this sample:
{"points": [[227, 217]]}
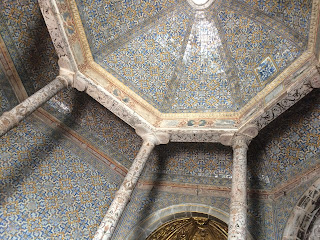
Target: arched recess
{"points": [[304, 215], [156, 219]]}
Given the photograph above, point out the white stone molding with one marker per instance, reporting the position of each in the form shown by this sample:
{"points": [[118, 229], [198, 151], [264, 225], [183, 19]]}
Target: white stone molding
{"points": [[200, 4], [114, 105], [10, 119], [156, 137], [315, 80], [303, 214], [123, 195], [249, 130], [149, 224], [144, 228], [226, 139], [300, 80], [54, 24], [293, 95], [315, 230], [80, 83]]}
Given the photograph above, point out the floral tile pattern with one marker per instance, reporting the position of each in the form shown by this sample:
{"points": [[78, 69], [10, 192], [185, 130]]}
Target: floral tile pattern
{"points": [[28, 42], [48, 187], [143, 203], [182, 60]]}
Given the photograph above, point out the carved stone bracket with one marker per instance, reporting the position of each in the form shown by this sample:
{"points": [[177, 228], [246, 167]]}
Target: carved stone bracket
{"points": [[315, 80], [80, 82], [243, 136], [154, 137]]}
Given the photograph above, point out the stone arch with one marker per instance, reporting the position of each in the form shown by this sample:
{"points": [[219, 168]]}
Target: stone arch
{"points": [[156, 219], [304, 215]]}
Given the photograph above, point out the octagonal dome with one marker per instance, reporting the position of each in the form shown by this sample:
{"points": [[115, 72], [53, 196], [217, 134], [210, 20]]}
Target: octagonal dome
{"points": [[180, 64], [181, 59]]}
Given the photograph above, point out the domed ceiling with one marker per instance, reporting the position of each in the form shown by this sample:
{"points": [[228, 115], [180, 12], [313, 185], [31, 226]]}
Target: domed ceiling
{"points": [[177, 64], [182, 59]]}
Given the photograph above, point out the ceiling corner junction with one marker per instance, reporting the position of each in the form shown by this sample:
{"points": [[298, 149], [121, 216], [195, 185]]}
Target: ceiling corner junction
{"points": [[301, 78]]}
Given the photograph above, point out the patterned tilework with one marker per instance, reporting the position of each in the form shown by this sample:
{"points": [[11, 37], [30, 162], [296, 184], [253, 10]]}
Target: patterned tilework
{"points": [[28, 42], [294, 14], [251, 44], [261, 219], [146, 64], [104, 21], [96, 124], [284, 206], [195, 61], [143, 203], [202, 82], [290, 145], [195, 163], [48, 186], [7, 98]]}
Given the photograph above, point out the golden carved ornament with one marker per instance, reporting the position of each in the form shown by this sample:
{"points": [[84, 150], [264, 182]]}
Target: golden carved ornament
{"points": [[194, 228]]}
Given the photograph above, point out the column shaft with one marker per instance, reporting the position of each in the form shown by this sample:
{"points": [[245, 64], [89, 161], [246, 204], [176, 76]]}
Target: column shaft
{"points": [[10, 119], [123, 195], [238, 207]]}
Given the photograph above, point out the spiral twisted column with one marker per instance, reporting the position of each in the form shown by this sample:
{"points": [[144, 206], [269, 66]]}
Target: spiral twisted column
{"points": [[10, 119], [123, 195], [238, 207]]}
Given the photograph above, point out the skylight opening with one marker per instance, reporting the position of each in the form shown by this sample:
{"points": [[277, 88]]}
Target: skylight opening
{"points": [[200, 2]]}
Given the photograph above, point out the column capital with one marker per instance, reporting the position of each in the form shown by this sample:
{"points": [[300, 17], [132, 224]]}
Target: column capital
{"points": [[315, 80], [65, 71], [156, 137], [80, 83], [66, 76], [240, 140], [245, 135]]}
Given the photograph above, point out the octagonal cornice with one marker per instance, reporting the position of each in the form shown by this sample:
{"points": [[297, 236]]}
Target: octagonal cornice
{"points": [[66, 30]]}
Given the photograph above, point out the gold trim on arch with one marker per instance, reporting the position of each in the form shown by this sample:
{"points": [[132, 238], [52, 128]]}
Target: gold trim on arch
{"points": [[193, 228]]}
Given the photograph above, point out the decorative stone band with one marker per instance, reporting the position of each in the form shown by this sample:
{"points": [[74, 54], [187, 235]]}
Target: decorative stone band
{"points": [[243, 136], [10, 119], [238, 205], [123, 195], [52, 18], [293, 96]]}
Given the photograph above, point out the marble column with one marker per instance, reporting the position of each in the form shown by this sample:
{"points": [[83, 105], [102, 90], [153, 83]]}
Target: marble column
{"points": [[238, 206], [123, 195], [10, 119]]}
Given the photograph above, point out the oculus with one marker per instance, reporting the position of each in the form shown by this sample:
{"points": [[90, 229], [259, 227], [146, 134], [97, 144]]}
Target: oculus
{"points": [[200, 4]]}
